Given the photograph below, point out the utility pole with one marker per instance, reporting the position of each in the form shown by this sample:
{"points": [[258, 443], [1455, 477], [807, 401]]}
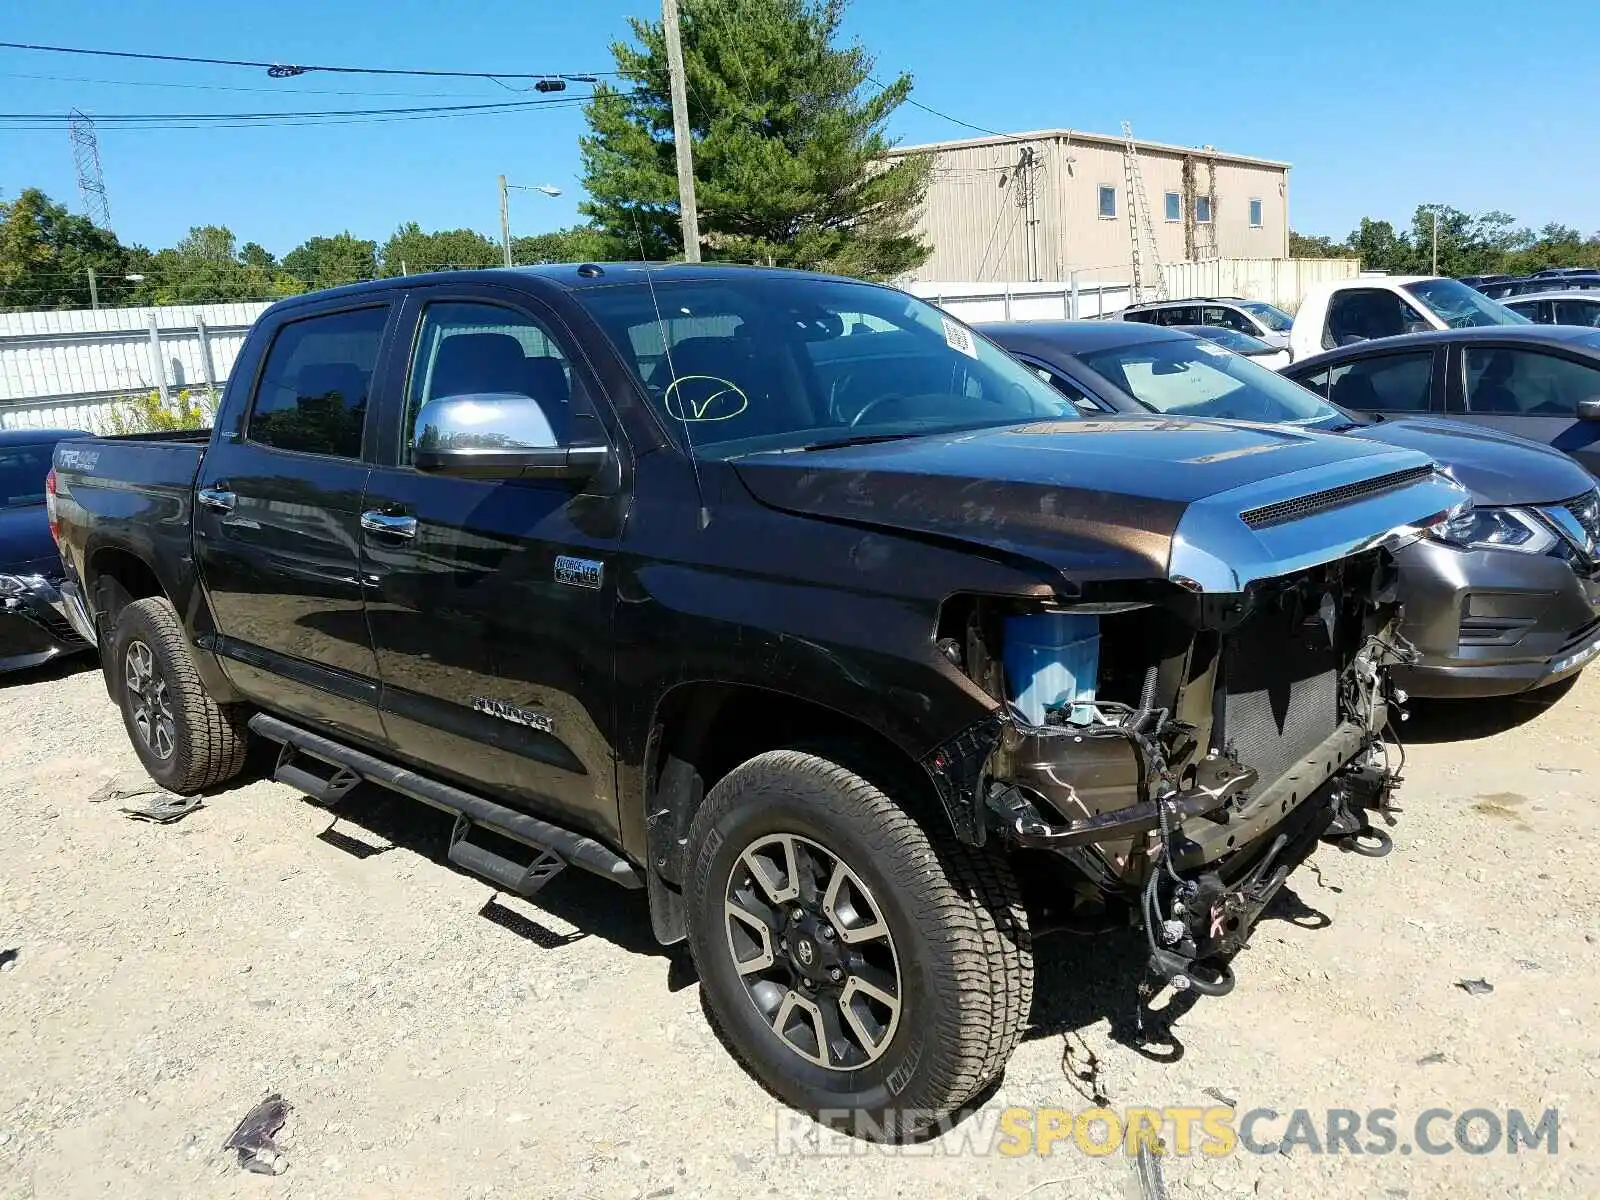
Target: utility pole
{"points": [[505, 221], [688, 213], [94, 292], [1435, 239]]}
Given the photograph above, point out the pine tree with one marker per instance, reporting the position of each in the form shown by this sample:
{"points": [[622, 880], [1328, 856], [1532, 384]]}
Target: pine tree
{"points": [[789, 137]]}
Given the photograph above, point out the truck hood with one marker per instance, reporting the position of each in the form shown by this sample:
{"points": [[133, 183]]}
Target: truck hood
{"points": [[1116, 497], [25, 545], [1497, 468]]}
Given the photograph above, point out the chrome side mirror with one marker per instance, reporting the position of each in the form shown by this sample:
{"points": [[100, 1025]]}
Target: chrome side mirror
{"points": [[498, 435], [1589, 409]]}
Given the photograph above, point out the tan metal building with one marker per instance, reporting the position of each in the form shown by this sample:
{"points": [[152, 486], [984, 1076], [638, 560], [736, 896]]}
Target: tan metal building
{"points": [[1040, 206]]}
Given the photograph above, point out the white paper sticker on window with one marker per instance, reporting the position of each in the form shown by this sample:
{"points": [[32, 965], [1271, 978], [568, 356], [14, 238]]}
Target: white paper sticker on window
{"points": [[958, 338]]}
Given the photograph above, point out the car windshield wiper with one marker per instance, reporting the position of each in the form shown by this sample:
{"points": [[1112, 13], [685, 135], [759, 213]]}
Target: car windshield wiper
{"points": [[860, 439]]}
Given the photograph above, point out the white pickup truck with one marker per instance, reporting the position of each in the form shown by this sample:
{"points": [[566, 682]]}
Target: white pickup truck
{"points": [[1374, 306]]}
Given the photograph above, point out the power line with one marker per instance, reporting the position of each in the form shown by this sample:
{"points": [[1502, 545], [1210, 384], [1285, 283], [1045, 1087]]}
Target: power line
{"points": [[287, 70], [222, 87], [248, 120], [943, 116]]}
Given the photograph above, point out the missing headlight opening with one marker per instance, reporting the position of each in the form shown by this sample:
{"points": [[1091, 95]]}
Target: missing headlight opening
{"points": [[1182, 753]]}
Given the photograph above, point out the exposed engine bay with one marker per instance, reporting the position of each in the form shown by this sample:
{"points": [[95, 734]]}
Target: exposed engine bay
{"points": [[1184, 752]]}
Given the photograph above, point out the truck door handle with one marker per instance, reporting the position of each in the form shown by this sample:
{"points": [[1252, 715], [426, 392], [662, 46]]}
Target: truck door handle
{"points": [[219, 499], [394, 526]]}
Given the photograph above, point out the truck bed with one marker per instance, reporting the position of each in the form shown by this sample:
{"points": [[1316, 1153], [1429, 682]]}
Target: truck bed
{"points": [[135, 493]]}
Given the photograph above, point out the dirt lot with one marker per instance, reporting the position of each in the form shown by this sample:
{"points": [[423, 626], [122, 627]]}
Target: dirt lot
{"points": [[436, 1041]]}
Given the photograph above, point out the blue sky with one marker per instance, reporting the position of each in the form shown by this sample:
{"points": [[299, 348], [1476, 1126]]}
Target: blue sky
{"points": [[1379, 105]]}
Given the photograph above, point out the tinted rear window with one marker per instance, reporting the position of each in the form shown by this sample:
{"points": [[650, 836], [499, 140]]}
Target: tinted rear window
{"points": [[313, 391]]}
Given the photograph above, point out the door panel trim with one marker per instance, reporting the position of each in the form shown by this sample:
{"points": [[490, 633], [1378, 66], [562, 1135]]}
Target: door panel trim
{"points": [[325, 679]]}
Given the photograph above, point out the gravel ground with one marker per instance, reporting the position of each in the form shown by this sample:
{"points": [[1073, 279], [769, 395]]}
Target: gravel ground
{"points": [[435, 1040]]}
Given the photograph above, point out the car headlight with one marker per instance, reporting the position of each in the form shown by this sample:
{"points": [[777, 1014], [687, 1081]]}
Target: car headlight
{"points": [[1471, 528]]}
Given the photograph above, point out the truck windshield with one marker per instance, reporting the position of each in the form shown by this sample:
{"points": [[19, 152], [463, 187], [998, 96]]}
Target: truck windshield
{"points": [[1273, 318], [1461, 307], [22, 472], [770, 362], [1194, 378]]}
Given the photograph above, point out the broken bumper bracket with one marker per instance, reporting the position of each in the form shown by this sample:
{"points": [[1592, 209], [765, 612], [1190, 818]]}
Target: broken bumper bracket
{"points": [[1026, 829]]}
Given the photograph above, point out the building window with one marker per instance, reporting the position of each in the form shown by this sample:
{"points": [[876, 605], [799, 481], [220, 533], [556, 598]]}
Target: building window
{"points": [[1255, 214], [1108, 200], [1202, 210], [1174, 206]]}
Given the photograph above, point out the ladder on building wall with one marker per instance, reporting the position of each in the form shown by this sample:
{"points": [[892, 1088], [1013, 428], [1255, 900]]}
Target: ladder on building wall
{"points": [[1149, 282]]}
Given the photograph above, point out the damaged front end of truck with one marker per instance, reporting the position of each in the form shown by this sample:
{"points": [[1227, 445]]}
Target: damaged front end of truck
{"points": [[1181, 745]]}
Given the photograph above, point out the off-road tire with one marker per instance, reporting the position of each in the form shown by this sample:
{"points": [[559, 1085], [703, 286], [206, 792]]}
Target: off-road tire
{"points": [[209, 741], [959, 930]]}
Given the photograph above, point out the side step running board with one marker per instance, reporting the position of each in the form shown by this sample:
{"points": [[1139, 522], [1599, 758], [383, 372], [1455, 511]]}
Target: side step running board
{"points": [[557, 845]]}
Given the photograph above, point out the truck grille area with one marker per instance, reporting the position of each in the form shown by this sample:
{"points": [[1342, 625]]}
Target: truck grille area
{"points": [[1338, 497], [1281, 697]]}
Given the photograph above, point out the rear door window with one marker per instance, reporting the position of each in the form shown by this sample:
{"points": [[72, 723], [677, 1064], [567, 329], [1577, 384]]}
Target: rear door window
{"points": [[1182, 314], [314, 387], [1397, 383]]}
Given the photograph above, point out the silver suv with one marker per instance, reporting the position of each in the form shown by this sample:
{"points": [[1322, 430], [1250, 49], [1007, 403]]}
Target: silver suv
{"points": [[1254, 317]]}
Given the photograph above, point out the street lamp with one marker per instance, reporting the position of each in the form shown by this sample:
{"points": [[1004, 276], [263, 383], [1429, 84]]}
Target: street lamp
{"points": [[505, 208], [94, 288]]}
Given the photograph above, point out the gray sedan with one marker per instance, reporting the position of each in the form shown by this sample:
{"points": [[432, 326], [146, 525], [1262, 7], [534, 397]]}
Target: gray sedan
{"points": [[1503, 597]]}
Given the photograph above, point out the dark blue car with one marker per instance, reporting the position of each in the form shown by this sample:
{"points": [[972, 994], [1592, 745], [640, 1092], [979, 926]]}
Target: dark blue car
{"points": [[33, 628]]}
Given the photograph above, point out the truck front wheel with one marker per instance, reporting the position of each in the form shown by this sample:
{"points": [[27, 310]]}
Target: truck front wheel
{"points": [[866, 967], [185, 740]]}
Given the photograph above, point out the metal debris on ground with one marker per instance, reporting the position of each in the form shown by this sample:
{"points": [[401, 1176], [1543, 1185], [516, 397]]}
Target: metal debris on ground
{"points": [[123, 787], [1217, 1095], [1431, 1060], [253, 1138], [1552, 769], [1147, 1170], [1475, 987], [161, 807]]}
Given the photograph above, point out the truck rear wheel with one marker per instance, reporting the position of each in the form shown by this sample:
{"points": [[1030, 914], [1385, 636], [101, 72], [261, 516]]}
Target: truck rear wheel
{"points": [[186, 741], [866, 968]]}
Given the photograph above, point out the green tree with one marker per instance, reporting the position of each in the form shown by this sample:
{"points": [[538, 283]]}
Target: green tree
{"points": [[254, 254], [789, 137], [1556, 246], [1380, 248], [410, 250], [1303, 246], [46, 254], [205, 267], [321, 262], [579, 243]]}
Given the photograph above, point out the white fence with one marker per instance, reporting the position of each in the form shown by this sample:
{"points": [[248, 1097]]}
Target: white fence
{"points": [[63, 369], [1098, 291]]}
